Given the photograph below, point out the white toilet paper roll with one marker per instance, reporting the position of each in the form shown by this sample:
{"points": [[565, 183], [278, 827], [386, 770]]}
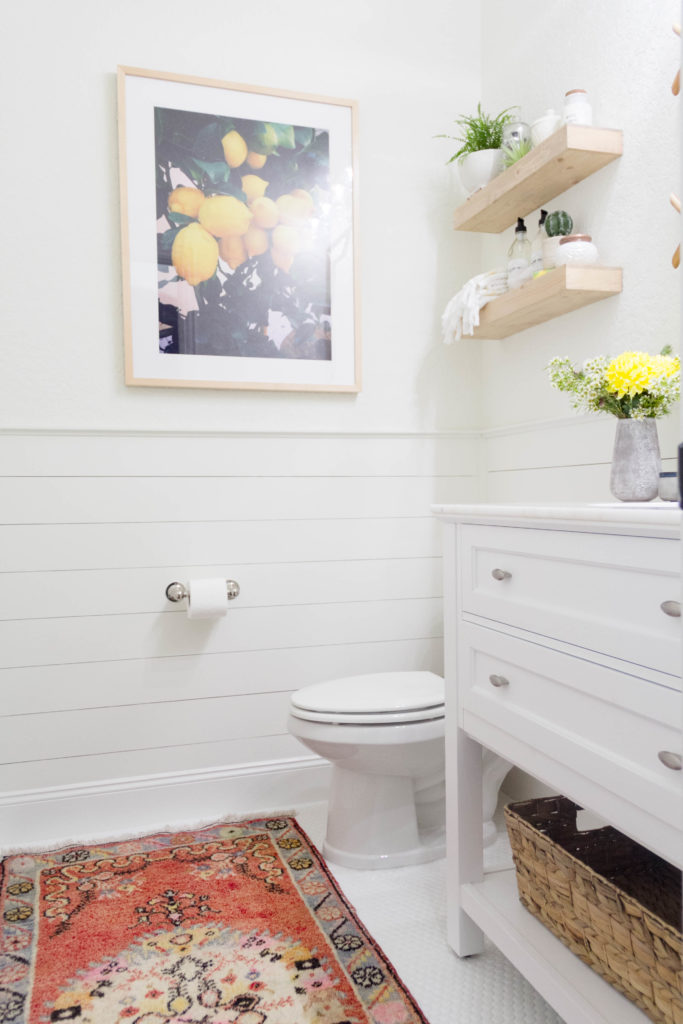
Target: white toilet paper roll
{"points": [[208, 598]]}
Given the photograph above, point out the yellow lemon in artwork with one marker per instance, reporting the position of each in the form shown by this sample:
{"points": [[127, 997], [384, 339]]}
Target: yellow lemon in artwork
{"points": [[256, 160], [305, 200], [256, 240], [286, 239], [265, 212], [253, 186], [185, 199], [194, 254], [232, 250], [224, 215], [294, 208], [235, 149]]}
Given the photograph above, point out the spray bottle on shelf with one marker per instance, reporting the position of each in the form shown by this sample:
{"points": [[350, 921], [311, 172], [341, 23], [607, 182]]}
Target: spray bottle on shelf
{"points": [[537, 245], [519, 257]]}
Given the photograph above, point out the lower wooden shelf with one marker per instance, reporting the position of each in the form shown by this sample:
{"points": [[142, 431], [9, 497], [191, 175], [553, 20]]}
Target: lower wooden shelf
{"points": [[560, 291], [577, 993]]}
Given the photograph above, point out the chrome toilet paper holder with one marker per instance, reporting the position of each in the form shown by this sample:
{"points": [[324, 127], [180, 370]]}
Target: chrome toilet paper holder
{"points": [[178, 591]]}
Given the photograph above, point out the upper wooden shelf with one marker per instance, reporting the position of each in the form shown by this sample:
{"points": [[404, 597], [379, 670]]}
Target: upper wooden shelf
{"points": [[572, 153], [559, 291]]}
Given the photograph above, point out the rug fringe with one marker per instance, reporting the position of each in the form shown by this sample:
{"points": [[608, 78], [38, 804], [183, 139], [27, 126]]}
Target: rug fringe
{"points": [[57, 845]]}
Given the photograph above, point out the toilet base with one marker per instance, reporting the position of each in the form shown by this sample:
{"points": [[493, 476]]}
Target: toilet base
{"points": [[383, 821], [381, 861]]}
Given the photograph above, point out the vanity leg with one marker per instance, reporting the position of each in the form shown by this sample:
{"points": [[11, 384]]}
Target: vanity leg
{"points": [[464, 824]]}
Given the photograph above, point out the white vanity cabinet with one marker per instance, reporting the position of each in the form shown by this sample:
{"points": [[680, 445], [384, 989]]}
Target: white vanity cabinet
{"points": [[563, 655]]}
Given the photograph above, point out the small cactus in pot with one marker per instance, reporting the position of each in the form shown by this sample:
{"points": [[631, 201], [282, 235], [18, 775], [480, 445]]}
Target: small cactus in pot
{"points": [[557, 225]]}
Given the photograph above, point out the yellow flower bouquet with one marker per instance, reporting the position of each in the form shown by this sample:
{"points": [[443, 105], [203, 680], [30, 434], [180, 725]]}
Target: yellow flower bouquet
{"points": [[633, 385]]}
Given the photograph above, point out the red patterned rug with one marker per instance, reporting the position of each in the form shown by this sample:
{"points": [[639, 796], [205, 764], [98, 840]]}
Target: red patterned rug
{"points": [[239, 923]]}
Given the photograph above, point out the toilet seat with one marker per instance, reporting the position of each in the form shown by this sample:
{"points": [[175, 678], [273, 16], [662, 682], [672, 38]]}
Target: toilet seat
{"points": [[380, 698]]}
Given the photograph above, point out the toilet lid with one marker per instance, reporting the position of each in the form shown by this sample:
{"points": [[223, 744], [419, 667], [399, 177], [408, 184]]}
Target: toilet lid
{"points": [[377, 698]]}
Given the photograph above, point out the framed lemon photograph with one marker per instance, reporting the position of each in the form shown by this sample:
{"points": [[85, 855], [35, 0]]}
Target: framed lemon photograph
{"points": [[239, 232]]}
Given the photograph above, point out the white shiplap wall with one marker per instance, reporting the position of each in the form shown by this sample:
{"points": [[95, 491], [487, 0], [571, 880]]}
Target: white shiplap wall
{"points": [[102, 679]]}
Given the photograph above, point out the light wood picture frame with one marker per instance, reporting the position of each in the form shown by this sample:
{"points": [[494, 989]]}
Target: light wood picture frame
{"points": [[239, 235]]}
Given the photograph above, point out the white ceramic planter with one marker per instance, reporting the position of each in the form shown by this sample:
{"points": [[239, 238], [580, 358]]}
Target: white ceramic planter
{"points": [[478, 169]]}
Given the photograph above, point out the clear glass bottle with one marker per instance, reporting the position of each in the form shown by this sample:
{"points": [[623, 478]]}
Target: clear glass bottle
{"points": [[519, 257], [537, 245]]}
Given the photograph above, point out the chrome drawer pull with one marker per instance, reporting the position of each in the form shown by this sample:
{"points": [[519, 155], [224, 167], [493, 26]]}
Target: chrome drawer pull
{"points": [[501, 574], [671, 760], [672, 608], [499, 681]]}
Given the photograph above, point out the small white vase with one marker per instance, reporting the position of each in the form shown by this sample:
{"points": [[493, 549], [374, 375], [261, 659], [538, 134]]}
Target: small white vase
{"points": [[550, 247], [636, 462], [478, 169]]}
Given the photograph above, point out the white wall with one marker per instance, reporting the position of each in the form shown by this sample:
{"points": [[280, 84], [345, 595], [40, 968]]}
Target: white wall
{"points": [[317, 504], [625, 55], [61, 254]]}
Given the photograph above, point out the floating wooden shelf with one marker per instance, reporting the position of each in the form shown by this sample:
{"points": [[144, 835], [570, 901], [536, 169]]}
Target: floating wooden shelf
{"points": [[572, 153], [559, 291]]}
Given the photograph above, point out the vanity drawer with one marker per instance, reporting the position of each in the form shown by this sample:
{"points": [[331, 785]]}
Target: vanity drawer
{"points": [[603, 592], [607, 725]]}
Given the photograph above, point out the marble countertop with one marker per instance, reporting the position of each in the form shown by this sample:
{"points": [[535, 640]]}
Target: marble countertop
{"points": [[660, 518]]}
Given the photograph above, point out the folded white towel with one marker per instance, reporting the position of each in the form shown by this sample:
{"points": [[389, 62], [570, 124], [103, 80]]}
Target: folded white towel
{"points": [[461, 315]]}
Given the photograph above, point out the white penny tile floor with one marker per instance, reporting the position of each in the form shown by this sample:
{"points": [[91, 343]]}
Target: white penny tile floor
{"points": [[404, 909]]}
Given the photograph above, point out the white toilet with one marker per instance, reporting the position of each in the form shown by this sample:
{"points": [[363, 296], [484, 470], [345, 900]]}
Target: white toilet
{"points": [[384, 734]]}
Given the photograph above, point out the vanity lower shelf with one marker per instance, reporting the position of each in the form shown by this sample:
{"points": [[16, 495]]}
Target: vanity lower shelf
{"points": [[576, 992], [560, 291]]}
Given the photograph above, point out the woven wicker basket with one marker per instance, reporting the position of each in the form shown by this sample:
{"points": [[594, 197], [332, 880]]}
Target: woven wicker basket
{"points": [[615, 904]]}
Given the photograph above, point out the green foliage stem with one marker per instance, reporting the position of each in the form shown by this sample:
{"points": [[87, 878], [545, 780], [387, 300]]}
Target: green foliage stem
{"points": [[480, 132]]}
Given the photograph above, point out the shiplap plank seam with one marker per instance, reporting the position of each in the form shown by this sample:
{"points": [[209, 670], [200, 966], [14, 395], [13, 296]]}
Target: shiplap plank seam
{"points": [[238, 650], [219, 500], [69, 687], [242, 565], [260, 607], [125, 750]]}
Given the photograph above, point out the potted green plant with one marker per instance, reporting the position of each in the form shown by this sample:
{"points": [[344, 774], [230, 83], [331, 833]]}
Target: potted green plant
{"points": [[479, 155]]}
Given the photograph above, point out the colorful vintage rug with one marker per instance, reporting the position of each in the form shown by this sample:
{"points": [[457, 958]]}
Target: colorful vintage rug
{"points": [[238, 923]]}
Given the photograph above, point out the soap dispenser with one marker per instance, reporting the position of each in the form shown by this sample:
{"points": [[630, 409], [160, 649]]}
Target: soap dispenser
{"points": [[519, 257], [537, 245]]}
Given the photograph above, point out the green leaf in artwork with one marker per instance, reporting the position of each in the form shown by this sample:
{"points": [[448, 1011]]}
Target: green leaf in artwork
{"points": [[285, 135], [178, 220], [211, 173], [263, 138], [207, 144], [164, 245], [303, 136]]}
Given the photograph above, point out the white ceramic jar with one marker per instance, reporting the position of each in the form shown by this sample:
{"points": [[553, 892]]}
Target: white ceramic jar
{"points": [[577, 109], [545, 126], [578, 250]]}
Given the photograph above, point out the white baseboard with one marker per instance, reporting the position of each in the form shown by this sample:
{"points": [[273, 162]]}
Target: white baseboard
{"points": [[64, 815]]}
